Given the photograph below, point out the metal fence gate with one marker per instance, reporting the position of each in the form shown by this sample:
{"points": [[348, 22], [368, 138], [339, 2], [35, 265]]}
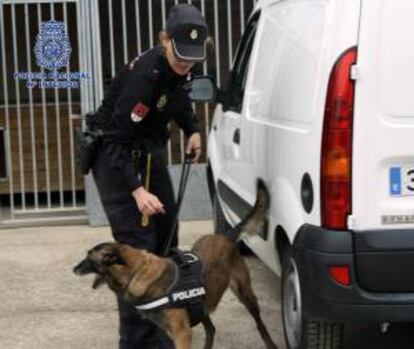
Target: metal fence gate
{"points": [[44, 88], [129, 27], [57, 58]]}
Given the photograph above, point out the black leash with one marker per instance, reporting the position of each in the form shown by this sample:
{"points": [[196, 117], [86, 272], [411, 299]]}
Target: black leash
{"points": [[185, 171]]}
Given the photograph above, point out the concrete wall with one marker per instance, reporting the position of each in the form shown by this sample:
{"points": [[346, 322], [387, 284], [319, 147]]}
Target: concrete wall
{"points": [[196, 204]]}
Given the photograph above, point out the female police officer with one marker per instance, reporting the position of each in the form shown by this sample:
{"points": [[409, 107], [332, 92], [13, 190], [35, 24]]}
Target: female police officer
{"points": [[129, 170]]}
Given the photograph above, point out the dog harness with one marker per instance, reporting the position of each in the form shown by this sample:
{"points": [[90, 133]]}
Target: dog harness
{"points": [[187, 291]]}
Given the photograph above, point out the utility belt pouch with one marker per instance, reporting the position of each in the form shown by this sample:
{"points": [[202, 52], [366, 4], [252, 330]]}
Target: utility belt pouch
{"points": [[87, 148]]}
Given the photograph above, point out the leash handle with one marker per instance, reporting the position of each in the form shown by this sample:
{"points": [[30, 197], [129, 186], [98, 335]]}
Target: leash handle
{"points": [[188, 157], [145, 218]]}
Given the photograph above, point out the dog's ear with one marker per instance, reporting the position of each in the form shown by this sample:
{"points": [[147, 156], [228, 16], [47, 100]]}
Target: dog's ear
{"points": [[112, 258], [111, 255]]}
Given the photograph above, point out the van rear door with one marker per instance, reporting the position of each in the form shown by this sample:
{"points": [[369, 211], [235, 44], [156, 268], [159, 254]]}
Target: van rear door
{"points": [[383, 146]]}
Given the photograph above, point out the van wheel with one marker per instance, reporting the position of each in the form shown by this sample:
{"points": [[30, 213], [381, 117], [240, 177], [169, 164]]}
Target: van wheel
{"points": [[220, 224], [301, 332]]}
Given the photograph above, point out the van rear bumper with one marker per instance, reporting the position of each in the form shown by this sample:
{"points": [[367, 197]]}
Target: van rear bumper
{"points": [[381, 265]]}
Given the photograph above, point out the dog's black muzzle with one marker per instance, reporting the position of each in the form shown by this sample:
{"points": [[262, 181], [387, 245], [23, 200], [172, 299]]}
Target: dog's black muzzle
{"points": [[87, 267], [84, 267]]}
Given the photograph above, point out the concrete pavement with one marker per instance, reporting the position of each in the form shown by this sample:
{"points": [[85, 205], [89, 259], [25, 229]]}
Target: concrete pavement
{"points": [[45, 306]]}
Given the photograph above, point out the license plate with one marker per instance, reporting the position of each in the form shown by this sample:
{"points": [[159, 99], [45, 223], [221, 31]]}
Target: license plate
{"points": [[402, 180]]}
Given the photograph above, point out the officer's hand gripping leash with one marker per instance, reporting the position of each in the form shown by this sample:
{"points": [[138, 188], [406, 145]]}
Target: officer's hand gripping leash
{"points": [[185, 171]]}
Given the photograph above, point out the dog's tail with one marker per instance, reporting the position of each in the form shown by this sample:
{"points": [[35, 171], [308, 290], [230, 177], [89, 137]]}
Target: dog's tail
{"points": [[255, 221]]}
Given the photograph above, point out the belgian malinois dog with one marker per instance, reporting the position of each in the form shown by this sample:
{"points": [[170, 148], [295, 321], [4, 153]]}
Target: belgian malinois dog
{"points": [[140, 276]]}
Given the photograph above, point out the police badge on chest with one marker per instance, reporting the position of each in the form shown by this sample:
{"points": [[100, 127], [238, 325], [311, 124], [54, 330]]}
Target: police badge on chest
{"points": [[162, 102]]}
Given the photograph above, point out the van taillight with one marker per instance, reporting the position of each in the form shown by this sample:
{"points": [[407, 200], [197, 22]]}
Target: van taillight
{"points": [[337, 144]]}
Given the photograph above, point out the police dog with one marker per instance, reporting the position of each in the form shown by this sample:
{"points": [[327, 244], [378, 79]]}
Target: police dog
{"points": [[140, 276]]}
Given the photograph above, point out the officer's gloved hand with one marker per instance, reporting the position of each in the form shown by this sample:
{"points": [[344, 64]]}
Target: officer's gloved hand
{"points": [[194, 146], [148, 204]]}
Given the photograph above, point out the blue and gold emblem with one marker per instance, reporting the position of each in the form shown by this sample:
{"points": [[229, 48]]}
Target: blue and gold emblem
{"points": [[52, 47]]}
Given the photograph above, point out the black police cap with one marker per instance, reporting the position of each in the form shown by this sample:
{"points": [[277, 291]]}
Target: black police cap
{"points": [[188, 30]]}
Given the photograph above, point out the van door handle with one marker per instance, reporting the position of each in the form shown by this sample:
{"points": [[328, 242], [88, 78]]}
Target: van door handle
{"points": [[236, 136]]}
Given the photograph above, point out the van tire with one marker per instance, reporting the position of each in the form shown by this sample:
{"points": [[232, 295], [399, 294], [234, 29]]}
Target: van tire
{"points": [[300, 331]]}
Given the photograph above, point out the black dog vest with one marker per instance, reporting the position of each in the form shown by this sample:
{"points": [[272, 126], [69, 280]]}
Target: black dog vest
{"points": [[187, 290]]}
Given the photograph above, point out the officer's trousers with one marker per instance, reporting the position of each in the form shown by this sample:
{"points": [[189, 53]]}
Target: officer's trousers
{"points": [[124, 218]]}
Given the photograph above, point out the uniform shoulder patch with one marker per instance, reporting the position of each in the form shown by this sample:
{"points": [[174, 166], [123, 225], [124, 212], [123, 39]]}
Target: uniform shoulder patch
{"points": [[139, 112]]}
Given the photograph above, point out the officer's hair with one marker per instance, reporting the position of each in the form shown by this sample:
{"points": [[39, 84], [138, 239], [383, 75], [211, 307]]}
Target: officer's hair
{"points": [[210, 43], [163, 34]]}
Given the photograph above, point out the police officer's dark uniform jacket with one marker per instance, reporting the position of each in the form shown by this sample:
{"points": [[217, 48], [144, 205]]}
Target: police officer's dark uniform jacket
{"points": [[142, 100], [134, 118], [139, 105]]}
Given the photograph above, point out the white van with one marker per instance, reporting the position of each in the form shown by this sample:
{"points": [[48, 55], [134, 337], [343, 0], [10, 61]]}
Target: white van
{"points": [[320, 105]]}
